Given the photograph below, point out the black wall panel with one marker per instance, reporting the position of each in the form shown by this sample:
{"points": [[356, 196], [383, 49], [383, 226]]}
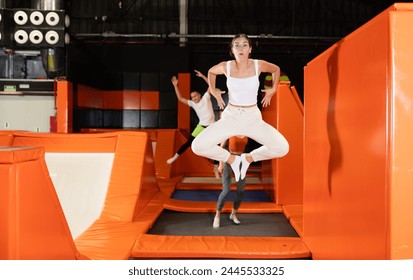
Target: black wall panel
{"points": [[168, 119], [165, 83], [87, 118], [131, 81], [112, 80], [88, 64], [142, 58], [112, 118], [131, 119], [150, 81], [168, 100], [149, 119]]}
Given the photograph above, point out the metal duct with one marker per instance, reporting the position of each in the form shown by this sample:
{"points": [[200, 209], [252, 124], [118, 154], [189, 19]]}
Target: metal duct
{"points": [[49, 5]]}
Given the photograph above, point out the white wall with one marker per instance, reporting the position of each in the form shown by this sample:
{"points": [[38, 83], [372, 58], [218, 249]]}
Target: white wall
{"points": [[26, 112]]}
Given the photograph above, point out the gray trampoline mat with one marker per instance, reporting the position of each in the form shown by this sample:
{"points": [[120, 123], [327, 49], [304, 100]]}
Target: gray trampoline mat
{"points": [[200, 224]]}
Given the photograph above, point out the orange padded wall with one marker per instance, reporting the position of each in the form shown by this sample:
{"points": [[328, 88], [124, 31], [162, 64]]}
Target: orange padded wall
{"points": [[283, 177], [184, 110], [5, 138], [30, 228], [357, 187], [400, 228], [64, 107]]}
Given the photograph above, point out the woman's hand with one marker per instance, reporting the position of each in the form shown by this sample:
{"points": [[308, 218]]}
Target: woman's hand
{"points": [[217, 94], [266, 100], [220, 167]]}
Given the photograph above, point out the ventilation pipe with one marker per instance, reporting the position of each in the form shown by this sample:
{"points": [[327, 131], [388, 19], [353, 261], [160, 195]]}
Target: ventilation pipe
{"points": [[51, 5]]}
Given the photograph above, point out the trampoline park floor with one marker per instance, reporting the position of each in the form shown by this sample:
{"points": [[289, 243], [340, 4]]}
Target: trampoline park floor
{"points": [[200, 224], [184, 227]]}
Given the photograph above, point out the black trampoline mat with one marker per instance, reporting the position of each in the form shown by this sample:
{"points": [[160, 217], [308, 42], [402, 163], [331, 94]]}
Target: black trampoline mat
{"points": [[200, 224]]}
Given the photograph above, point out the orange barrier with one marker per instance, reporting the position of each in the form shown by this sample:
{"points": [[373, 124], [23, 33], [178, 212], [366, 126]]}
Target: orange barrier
{"points": [[294, 213], [228, 247], [6, 138], [189, 164], [283, 177], [357, 162], [33, 224], [64, 118], [133, 200]]}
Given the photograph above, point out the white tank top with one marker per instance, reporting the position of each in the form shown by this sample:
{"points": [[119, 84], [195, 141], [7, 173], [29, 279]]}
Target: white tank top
{"points": [[242, 91]]}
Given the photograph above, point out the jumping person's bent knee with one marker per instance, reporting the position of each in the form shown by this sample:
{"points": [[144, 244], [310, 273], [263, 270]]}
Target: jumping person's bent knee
{"points": [[198, 148], [281, 150]]}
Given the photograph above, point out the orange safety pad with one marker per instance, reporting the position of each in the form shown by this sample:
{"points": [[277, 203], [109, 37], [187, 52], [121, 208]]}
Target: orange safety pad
{"points": [[151, 132], [64, 105], [189, 164], [210, 206], [67, 143], [133, 172], [401, 178], [167, 144], [167, 186], [345, 146], [5, 138], [184, 116], [110, 240], [132, 178], [20, 154], [294, 214], [358, 135], [133, 192], [152, 210], [237, 144], [284, 176], [165, 149], [33, 225], [221, 247]]}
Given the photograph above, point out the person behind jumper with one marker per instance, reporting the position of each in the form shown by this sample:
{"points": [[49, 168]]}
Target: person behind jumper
{"points": [[236, 145], [203, 109], [242, 115]]}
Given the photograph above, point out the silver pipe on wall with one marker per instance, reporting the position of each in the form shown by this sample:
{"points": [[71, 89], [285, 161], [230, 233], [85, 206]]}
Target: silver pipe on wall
{"points": [[2, 4], [51, 5], [200, 36]]}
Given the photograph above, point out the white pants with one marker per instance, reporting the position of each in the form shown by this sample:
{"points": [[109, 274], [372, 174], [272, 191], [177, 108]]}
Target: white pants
{"points": [[240, 121]]}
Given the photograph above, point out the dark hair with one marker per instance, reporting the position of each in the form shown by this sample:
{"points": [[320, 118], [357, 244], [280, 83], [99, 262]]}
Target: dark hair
{"points": [[239, 35]]}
